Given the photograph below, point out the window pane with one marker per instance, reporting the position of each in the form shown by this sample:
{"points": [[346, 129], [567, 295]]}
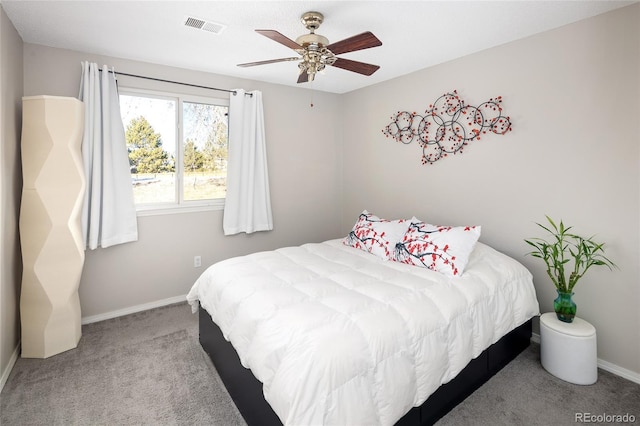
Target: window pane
{"points": [[205, 151], [150, 128]]}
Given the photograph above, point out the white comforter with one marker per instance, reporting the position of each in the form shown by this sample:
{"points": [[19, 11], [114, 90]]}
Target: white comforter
{"points": [[339, 336]]}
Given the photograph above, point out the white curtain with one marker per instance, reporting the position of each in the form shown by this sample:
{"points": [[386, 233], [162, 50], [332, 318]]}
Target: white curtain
{"points": [[248, 203], [109, 213]]}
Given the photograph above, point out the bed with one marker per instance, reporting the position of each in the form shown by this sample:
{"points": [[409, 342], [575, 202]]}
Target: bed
{"points": [[326, 333]]}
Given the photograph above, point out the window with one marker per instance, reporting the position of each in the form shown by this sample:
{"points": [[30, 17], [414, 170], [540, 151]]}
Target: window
{"points": [[177, 149]]}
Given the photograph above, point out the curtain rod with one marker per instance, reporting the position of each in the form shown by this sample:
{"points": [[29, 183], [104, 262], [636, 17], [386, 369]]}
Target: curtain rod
{"points": [[175, 82]]}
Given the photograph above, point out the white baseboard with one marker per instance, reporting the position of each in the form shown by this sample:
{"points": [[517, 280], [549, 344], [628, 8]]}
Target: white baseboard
{"points": [[605, 365], [535, 338], [7, 370], [619, 371], [134, 309]]}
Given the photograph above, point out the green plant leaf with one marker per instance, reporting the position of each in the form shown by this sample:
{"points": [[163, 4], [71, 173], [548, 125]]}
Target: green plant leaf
{"points": [[564, 248]]}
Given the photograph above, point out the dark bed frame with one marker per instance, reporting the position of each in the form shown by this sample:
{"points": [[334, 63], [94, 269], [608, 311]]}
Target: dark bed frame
{"points": [[246, 390]]}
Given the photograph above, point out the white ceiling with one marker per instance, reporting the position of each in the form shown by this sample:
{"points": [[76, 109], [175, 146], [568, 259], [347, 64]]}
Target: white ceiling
{"points": [[415, 34]]}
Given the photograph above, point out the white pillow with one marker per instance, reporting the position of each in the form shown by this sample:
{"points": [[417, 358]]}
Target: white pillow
{"points": [[444, 249], [375, 235]]}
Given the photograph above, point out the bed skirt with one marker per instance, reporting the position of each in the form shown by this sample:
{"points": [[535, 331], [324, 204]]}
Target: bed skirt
{"points": [[246, 390]]}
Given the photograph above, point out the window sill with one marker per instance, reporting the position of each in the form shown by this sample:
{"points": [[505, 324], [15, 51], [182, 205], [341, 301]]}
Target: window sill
{"points": [[176, 209]]}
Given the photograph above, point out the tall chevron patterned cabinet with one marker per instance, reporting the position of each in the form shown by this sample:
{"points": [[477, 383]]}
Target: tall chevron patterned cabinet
{"points": [[50, 224]]}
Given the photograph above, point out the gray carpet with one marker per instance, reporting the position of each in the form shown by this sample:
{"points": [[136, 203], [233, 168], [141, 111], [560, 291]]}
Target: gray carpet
{"points": [[524, 393], [149, 369], [142, 369]]}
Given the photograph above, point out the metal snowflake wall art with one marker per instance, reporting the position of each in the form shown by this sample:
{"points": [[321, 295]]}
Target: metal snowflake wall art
{"points": [[448, 125]]}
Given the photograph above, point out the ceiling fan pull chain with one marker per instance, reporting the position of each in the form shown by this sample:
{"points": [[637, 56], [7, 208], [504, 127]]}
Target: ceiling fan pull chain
{"points": [[312, 91]]}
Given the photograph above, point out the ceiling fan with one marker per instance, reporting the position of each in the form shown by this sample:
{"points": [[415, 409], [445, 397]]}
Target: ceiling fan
{"points": [[316, 52]]}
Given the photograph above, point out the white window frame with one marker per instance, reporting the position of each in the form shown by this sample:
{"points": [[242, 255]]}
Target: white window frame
{"points": [[180, 205]]}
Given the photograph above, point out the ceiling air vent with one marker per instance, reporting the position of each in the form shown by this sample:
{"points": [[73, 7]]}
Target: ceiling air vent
{"points": [[201, 24]]}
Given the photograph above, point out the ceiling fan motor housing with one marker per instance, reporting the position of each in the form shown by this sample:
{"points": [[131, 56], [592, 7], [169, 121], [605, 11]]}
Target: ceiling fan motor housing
{"points": [[312, 39]]}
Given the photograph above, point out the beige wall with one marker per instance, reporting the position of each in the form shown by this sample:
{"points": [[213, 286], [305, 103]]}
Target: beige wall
{"points": [[10, 190], [573, 95], [304, 173]]}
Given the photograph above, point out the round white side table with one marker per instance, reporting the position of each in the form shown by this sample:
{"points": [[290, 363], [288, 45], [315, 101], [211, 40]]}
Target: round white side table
{"points": [[569, 351]]}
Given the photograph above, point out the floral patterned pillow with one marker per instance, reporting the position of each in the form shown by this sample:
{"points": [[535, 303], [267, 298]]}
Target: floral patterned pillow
{"points": [[375, 235], [444, 249]]}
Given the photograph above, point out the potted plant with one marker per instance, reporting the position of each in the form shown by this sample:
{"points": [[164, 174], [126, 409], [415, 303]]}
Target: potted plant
{"points": [[557, 254]]}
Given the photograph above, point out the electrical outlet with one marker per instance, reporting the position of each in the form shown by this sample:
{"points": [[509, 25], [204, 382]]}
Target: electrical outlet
{"points": [[197, 261]]}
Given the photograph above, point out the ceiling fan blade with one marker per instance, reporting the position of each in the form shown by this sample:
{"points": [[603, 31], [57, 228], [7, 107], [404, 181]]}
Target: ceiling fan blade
{"points": [[270, 61], [276, 36], [355, 66], [303, 77], [357, 42]]}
